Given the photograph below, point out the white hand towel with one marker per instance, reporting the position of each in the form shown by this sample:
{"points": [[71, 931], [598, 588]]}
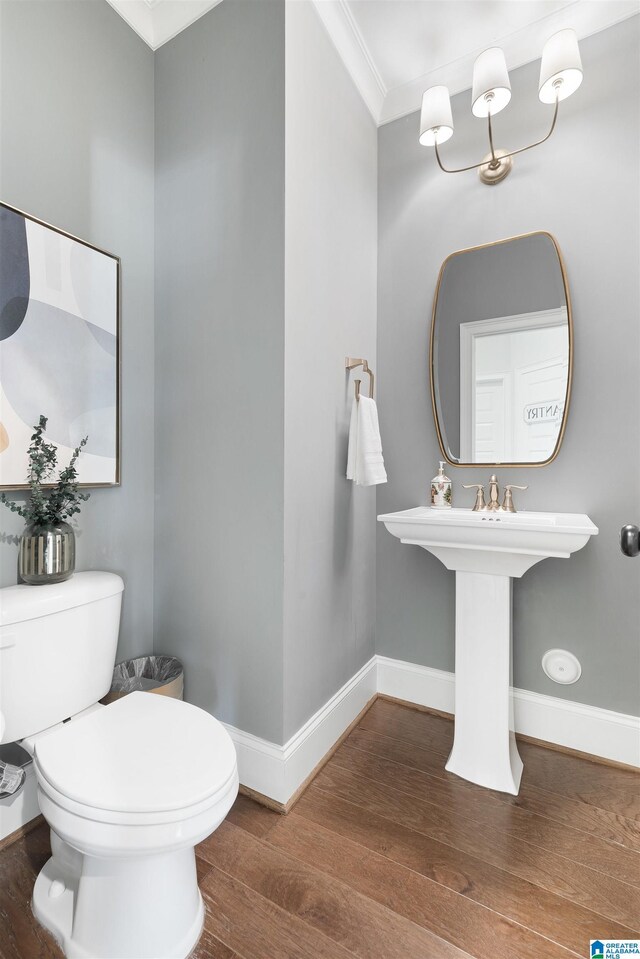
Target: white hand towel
{"points": [[352, 452], [365, 465]]}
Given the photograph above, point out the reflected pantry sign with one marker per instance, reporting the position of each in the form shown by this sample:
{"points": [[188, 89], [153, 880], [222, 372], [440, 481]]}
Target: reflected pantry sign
{"points": [[549, 411]]}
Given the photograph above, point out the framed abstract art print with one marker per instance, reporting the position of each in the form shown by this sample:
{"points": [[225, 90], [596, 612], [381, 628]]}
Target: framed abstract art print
{"points": [[59, 349]]}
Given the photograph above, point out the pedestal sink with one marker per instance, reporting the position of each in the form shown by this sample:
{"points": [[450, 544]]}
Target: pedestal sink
{"points": [[487, 550]]}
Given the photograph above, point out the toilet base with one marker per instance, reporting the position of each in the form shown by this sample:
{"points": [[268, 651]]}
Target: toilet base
{"points": [[149, 907]]}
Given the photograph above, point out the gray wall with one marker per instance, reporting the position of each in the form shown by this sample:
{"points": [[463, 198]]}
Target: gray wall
{"points": [[331, 253], [589, 604], [220, 360], [76, 150]]}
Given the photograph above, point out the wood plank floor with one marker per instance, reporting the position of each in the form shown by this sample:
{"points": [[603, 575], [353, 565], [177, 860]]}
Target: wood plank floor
{"points": [[387, 856]]}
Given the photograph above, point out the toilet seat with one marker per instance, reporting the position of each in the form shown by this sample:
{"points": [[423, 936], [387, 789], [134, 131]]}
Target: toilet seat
{"points": [[143, 759], [128, 818]]}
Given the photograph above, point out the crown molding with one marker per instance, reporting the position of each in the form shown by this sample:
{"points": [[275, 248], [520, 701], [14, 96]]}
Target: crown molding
{"points": [[348, 41], [521, 47], [157, 21]]}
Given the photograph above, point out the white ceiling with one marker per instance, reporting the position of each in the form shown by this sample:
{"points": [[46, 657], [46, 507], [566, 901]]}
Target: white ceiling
{"points": [[395, 49], [408, 39], [157, 21]]}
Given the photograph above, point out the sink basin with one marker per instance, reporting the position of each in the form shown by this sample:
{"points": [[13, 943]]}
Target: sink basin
{"points": [[506, 544], [487, 550]]}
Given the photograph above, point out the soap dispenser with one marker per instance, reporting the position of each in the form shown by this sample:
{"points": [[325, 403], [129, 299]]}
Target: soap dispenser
{"points": [[441, 490]]}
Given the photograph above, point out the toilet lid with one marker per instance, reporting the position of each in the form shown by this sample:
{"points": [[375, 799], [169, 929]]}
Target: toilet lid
{"points": [[143, 753]]}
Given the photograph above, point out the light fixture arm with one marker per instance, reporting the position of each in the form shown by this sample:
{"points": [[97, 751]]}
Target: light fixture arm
{"points": [[503, 156], [493, 152]]}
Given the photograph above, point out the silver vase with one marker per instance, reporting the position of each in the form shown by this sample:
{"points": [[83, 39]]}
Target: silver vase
{"points": [[47, 553]]}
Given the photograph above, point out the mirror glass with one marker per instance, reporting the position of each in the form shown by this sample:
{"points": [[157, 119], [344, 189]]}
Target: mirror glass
{"points": [[501, 353]]}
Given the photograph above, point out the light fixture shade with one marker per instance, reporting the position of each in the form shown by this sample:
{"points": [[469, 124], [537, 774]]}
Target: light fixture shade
{"points": [[491, 85], [436, 122], [561, 67]]}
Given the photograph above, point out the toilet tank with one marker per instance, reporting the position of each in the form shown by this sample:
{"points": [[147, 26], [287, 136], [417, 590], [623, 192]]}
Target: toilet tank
{"points": [[57, 650]]}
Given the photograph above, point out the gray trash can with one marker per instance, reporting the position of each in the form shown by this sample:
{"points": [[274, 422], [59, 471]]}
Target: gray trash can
{"points": [[150, 674]]}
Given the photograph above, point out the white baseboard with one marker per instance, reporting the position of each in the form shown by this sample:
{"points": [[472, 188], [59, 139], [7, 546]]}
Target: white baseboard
{"points": [[589, 729], [421, 685], [278, 771]]}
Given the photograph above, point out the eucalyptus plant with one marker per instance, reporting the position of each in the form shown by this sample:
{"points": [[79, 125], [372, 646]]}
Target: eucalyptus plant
{"points": [[54, 505]]}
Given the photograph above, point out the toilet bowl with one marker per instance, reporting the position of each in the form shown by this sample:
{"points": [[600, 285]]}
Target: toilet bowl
{"points": [[128, 789]]}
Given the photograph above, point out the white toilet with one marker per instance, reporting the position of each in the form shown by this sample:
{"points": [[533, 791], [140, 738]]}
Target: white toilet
{"points": [[128, 789]]}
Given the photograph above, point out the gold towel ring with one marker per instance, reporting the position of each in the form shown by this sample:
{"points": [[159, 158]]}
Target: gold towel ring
{"points": [[350, 364]]}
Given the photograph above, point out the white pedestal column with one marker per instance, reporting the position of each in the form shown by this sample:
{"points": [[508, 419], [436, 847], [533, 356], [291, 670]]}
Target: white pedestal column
{"points": [[484, 747]]}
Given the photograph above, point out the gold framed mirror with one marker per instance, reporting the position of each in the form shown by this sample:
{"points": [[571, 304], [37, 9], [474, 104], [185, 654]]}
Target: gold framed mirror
{"points": [[501, 353]]}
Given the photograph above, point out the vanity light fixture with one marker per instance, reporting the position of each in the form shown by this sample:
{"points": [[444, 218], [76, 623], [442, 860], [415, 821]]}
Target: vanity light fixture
{"points": [[560, 76]]}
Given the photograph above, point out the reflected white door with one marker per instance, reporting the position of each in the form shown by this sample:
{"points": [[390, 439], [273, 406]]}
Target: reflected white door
{"points": [[490, 419], [539, 395], [511, 369]]}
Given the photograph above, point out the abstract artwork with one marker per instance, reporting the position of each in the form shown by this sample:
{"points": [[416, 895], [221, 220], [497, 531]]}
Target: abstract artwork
{"points": [[59, 348]]}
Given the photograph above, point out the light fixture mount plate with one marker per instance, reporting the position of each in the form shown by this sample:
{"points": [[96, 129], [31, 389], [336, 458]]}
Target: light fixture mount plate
{"points": [[492, 174]]}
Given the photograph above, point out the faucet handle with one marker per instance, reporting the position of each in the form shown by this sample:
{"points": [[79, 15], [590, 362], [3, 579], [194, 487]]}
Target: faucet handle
{"points": [[479, 503], [507, 504]]}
